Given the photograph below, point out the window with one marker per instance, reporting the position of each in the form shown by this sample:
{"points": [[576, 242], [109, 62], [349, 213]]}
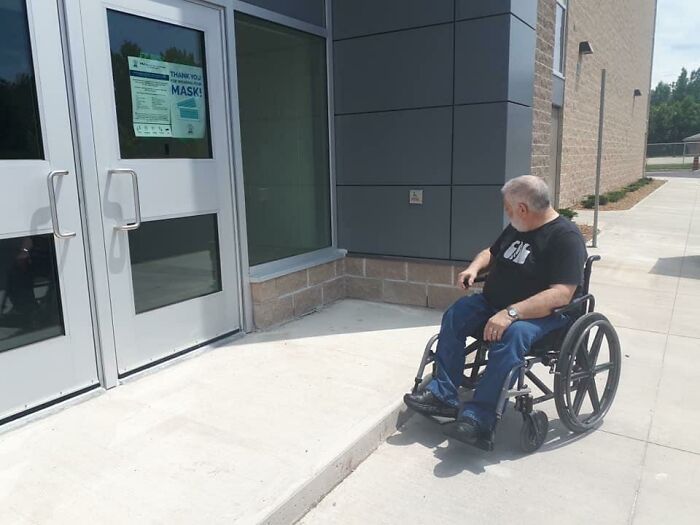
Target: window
{"points": [[30, 298], [159, 73], [173, 260], [283, 102], [19, 110], [560, 38]]}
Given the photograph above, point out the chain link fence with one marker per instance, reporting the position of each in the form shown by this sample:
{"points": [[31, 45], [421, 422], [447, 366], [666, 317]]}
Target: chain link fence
{"points": [[672, 156]]}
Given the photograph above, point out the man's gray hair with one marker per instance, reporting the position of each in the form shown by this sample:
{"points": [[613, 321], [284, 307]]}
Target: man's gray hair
{"points": [[530, 190]]}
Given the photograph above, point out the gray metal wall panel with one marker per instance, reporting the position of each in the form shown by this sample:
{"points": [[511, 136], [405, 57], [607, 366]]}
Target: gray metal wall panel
{"points": [[395, 147], [361, 17], [477, 219], [379, 220], [312, 11], [380, 151], [557, 91], [480, 133], [518, 141], [524, 9], [521, 70], [402, 70], [481, 60]]}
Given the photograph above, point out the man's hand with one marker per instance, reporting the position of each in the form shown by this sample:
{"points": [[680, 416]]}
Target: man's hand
{"points": [[466, 278], [497, 326]]}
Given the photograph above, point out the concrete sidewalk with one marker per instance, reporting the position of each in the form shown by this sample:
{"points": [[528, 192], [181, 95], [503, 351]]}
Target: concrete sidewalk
{"points": [[256, 430], [640, 467]]}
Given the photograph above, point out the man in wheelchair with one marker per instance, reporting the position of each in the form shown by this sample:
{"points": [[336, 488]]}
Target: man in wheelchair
{"points": [[535, 266]]}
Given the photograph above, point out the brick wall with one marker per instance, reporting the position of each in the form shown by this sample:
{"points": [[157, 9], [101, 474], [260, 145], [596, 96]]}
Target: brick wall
{"points": [[621, 33], [373, 279], [296, 294], [542, 102], [403, 282]]}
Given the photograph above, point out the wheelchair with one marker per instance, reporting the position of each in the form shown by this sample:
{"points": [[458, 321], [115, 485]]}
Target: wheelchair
{"points": [[571, 353]]}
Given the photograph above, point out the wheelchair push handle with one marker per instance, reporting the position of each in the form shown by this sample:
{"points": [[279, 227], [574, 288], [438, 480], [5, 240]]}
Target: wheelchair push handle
{"points": [[587, 272]]}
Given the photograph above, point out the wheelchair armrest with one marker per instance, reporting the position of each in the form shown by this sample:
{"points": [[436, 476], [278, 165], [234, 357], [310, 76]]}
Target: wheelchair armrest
{"points": [[481, 278], [584, 299]]}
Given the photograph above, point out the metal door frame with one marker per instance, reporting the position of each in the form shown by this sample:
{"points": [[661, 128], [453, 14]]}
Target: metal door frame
{"points": [[86, 167], [86, 162], [48, 385]]}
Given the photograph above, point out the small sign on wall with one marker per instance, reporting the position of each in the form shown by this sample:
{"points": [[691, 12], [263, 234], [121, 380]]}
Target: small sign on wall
{"points": [[415, 196]]}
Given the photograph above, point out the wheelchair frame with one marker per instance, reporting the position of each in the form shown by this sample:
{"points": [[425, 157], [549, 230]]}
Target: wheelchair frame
{"points": [[572, 364]]}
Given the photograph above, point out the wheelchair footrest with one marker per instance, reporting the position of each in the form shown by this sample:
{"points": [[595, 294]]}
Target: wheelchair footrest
{"points": [[437, 419]]}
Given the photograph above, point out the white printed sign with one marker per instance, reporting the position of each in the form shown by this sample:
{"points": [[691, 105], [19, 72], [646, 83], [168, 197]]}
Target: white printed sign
{"points": [[167, 99]]}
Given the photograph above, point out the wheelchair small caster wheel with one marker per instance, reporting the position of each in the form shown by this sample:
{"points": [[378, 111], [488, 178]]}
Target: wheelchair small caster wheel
{"points": [[534, 431]]}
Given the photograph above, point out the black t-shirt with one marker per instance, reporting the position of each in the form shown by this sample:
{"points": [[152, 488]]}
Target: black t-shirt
{"points": [[526, 263]]}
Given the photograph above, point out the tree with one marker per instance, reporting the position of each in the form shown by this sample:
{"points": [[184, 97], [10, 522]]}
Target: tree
{"points": [[675, 108], [661, 94], [680, 87]]}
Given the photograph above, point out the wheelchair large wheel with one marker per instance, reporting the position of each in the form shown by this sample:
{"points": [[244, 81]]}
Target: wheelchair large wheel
{"points": [[588, 372]]}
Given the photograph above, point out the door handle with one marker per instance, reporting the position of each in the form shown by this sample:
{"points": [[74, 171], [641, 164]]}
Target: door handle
{"points": [[137, 202], [52, 204]]}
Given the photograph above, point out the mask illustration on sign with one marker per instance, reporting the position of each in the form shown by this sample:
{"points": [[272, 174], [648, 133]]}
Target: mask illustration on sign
{"points": [[517, 252]]}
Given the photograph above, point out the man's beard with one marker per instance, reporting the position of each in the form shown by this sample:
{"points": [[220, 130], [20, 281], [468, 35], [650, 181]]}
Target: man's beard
{"points": [[518, 226]]}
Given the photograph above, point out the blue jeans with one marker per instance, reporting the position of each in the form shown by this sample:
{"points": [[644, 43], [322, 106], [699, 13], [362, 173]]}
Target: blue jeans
{"points": [[464, 318]]}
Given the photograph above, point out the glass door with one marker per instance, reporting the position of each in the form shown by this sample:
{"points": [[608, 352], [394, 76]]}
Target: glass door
{"points": [[46, 340], [158, 101]]}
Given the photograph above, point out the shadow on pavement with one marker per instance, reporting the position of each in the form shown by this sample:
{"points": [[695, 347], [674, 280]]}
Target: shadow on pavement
{"points": [[455, 457], [687, 266]]}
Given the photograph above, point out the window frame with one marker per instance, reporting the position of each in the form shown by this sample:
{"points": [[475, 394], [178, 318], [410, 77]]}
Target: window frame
{"points": [[269, 270], [561, 73]]}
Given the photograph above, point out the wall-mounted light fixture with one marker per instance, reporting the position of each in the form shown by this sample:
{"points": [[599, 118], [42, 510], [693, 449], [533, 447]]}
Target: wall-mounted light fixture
{"points": [[585, 48], [637, 93]]}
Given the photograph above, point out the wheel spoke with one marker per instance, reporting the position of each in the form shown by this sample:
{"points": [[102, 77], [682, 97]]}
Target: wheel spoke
{"points": [[582, 358], [603, 368], [580, 395], [593, 394], [595, 348], [580, 375]]}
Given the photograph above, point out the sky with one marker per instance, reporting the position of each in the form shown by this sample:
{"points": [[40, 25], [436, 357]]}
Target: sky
{"points": [[677, 42]]}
